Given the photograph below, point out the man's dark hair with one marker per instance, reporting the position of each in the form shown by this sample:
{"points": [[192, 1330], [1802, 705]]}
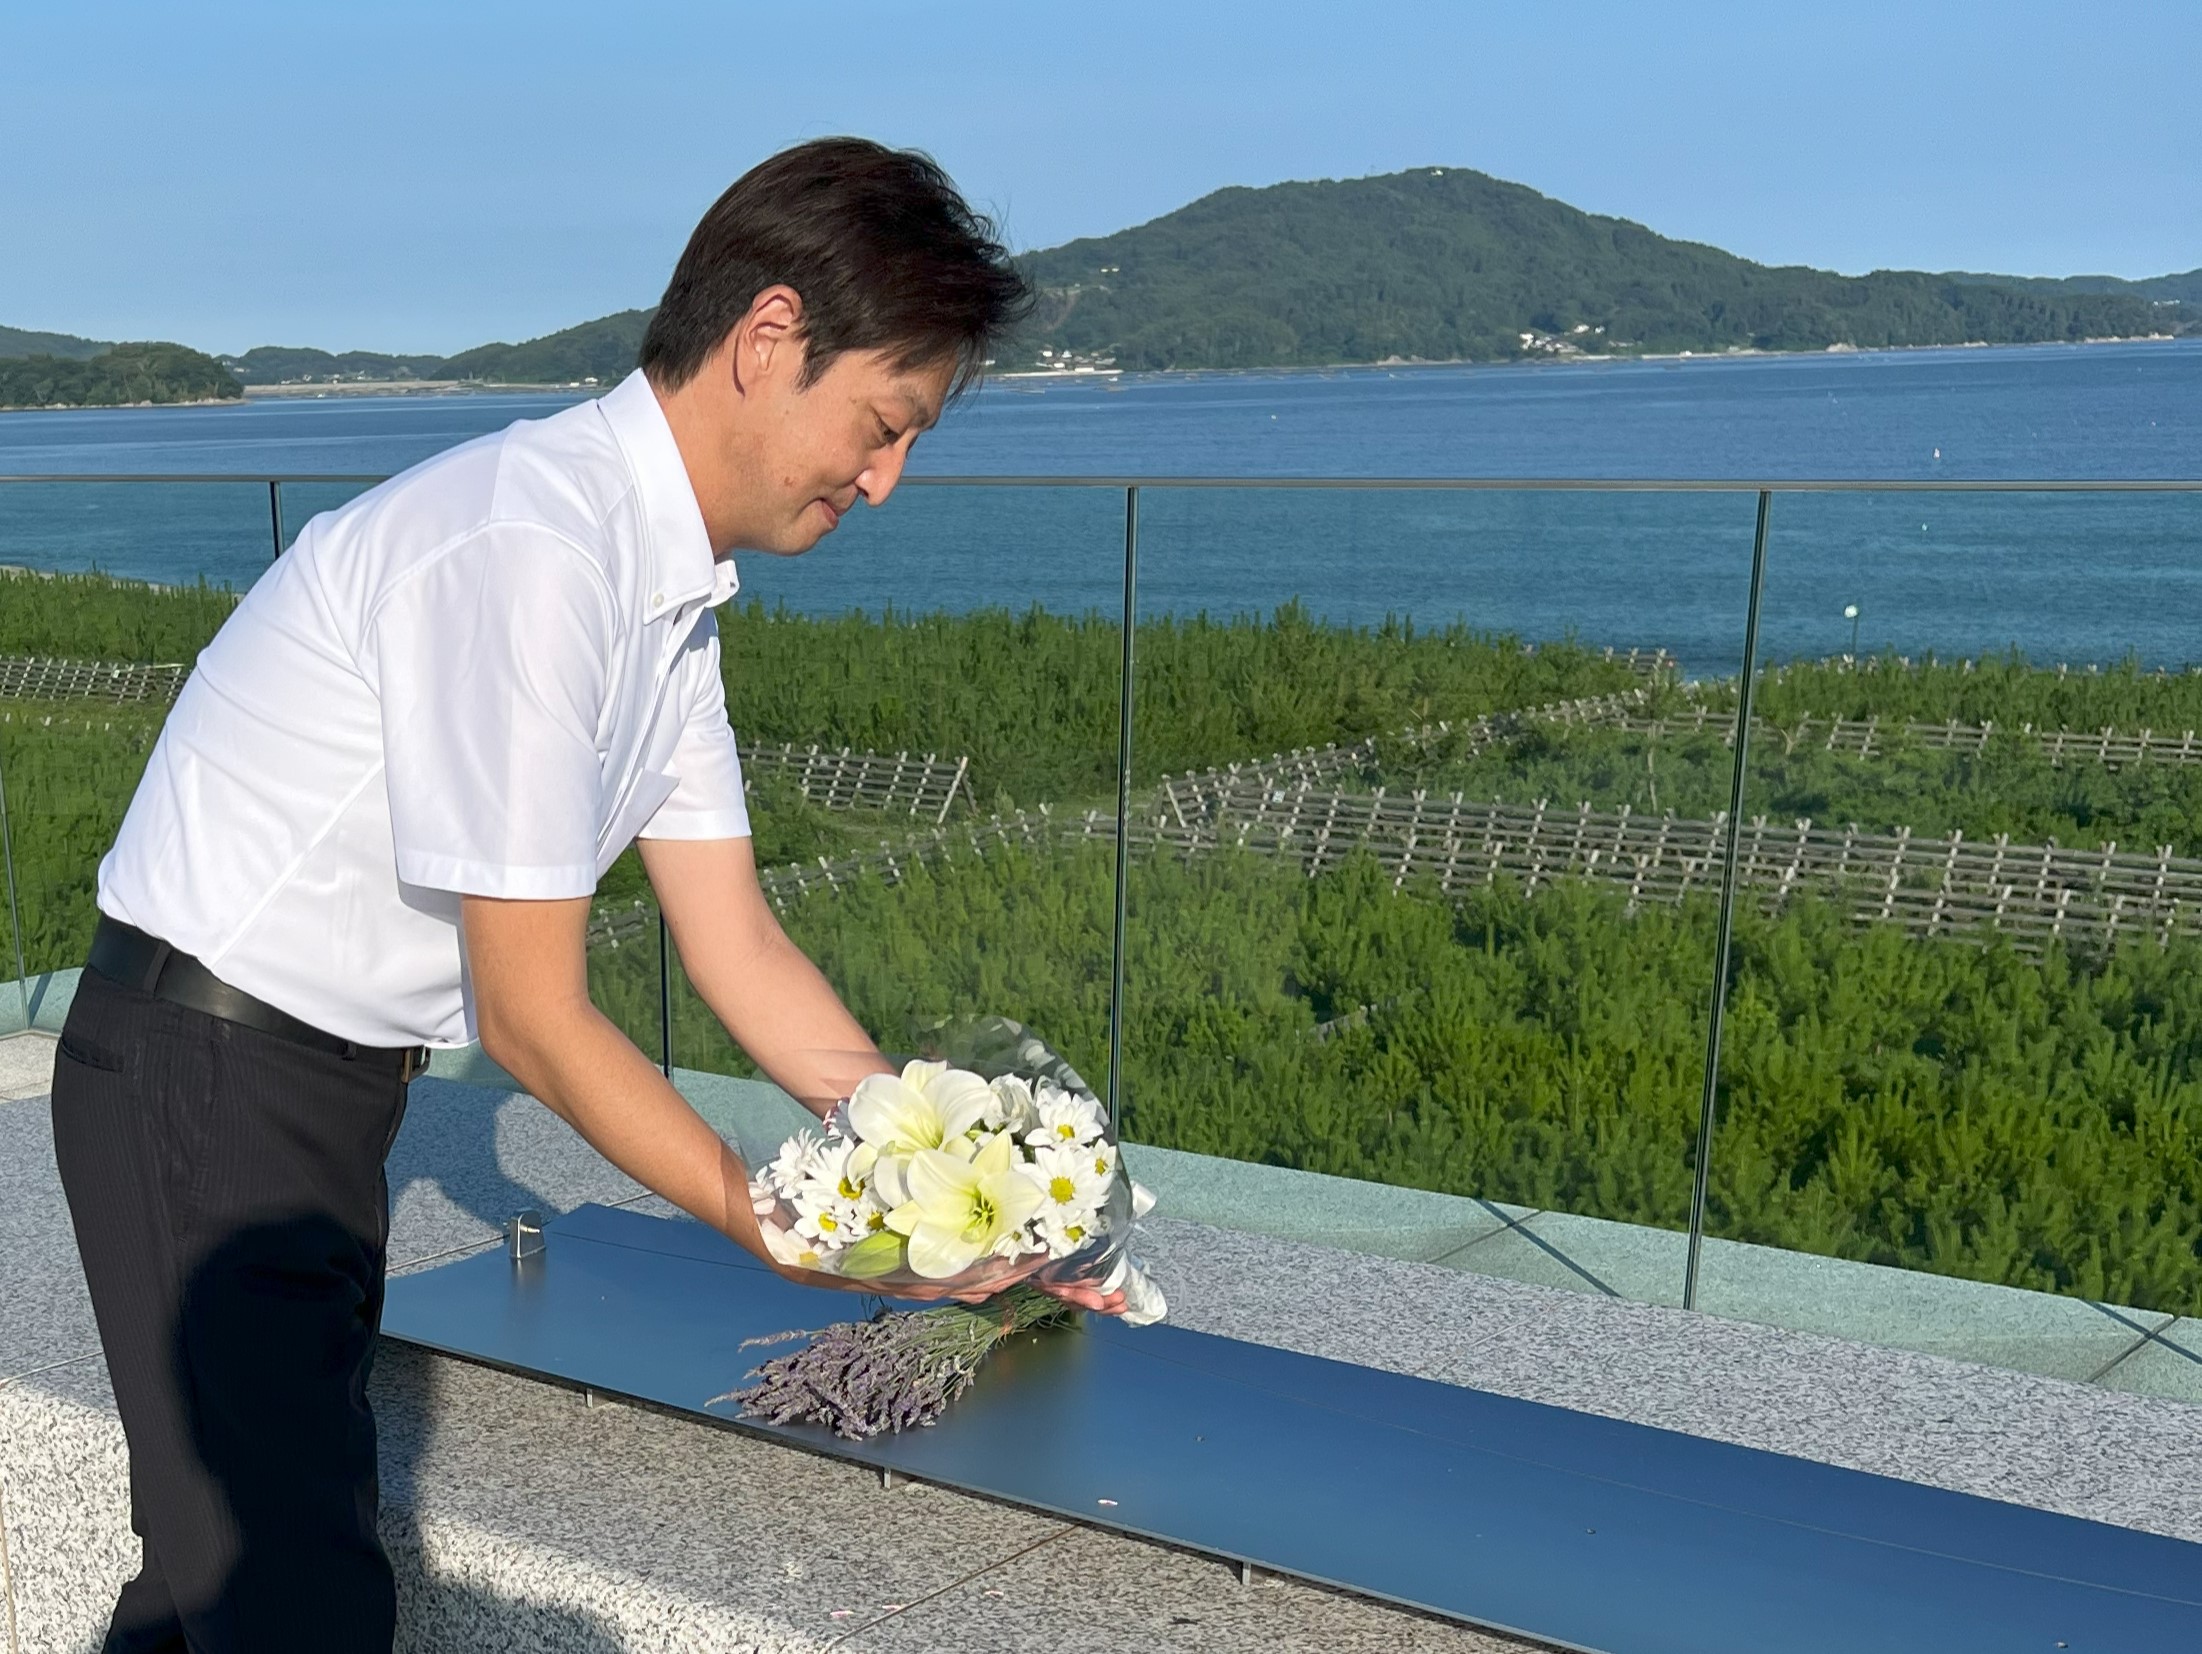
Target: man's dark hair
{"points": [[884, 251]]}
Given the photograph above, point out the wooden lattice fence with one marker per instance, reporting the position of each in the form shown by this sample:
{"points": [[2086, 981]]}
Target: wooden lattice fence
{"points": [[2111, 748], [40, 678], [1936, 887], [926, 787]]}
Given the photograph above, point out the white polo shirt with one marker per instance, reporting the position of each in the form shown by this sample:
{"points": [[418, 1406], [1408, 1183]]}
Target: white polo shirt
{"points": [[486, 676]]}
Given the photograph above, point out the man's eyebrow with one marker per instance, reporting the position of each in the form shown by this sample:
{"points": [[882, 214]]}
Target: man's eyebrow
{"points": [[921, 413]]}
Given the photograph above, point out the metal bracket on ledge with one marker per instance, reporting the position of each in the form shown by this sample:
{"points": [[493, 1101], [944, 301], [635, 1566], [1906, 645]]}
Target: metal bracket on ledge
{"points": [[892, 1479], [524, 1235]]}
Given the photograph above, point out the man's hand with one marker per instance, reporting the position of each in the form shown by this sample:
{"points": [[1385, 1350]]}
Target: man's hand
{"points": [[529, 970], [531, 1002], [974, 1286]]}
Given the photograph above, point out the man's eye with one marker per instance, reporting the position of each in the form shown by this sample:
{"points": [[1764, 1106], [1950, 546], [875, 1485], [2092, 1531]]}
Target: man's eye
{"points": [[888, 435]]}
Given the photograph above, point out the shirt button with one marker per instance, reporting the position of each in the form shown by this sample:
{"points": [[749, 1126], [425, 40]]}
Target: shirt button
{"points": [[657, 600]]}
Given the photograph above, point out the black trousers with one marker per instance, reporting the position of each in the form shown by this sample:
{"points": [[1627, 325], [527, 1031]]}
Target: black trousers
{"points": [[230, 1208]]}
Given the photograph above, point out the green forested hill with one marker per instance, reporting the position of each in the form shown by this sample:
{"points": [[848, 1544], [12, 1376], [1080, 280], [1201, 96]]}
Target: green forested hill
{"points": [[2183, 288], [18, 341], [1437, 264], [273, 364], [1444, 263], [603, 350], [123, 374]]}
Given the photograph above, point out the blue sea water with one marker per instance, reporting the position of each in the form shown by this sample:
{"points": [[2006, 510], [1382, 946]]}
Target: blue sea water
{"points": [[2091, 577]]}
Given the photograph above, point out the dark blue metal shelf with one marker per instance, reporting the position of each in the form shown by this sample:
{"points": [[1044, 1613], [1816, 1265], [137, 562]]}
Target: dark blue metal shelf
{"points": [[1563, 1526]]}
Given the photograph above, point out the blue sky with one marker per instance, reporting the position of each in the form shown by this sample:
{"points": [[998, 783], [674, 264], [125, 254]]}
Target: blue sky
{"points": [[387, 174]]}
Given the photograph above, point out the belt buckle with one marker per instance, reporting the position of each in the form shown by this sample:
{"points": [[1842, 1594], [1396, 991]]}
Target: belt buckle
{"points": [[414, 1064]]}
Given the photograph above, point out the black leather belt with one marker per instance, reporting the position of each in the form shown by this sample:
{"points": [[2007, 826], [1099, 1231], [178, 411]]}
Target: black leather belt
{"points": [[126, 955]]}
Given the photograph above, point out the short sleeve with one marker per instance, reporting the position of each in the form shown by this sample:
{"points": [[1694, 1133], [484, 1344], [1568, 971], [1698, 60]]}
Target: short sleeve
{"points": [[491, 665], [707, 800]]}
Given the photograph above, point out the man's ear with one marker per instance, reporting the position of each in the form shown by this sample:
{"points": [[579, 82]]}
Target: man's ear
{"points": [[767, 343]]}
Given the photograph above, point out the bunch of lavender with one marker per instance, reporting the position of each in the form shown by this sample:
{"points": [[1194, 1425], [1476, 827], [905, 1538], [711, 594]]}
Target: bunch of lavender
{"points": [[893, 1372]]}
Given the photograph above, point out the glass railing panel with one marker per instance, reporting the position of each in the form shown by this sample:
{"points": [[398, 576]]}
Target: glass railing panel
{"points": [[926, 706], [164, 533], [1961, 1103], [110, 591], [1416, 905], [298, 503]]}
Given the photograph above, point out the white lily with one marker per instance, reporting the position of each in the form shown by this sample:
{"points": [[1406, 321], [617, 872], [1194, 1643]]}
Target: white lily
{"points": [[1014, 1110], [926, 1106], [961, 1211], [887, 1184]]}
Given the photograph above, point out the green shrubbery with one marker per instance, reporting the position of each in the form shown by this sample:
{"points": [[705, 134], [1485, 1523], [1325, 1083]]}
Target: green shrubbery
{"points": [[1949, 1107], [1032, 699], [2005, 690], [1939, 1105], [97, 617]]}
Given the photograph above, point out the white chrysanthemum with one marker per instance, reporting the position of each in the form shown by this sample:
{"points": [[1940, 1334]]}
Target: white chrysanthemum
{"points": [[792, 1250], [826, 1225], [1063, 1233], [795, 1164], [1065, 1117], [831, 1204], [1072, 1178]]}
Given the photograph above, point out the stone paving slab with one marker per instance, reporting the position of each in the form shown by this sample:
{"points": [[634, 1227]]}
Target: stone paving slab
{"points": [[519, 1518], [45, 1313], [26, 1065], [1094, 1591]]}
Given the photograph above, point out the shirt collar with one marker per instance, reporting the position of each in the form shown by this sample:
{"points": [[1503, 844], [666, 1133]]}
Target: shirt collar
{"points": [[682, 567]]}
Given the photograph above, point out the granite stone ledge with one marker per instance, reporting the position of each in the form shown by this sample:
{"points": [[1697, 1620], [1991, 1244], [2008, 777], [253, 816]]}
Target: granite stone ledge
{"points": [[46, 996]]}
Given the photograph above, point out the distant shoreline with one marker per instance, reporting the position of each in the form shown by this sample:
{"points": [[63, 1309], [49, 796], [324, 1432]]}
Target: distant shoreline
{"points": [[1737, 353], [419, 387], [87, 407], [1036, 378]]}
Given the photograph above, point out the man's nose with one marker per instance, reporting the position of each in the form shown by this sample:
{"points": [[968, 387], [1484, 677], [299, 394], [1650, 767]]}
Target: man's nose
{"points": [[879, 478]]}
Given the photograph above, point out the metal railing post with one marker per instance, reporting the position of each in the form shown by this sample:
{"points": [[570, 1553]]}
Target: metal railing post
{"points": [[275, 513], [1701, 1184], [665, 995], [15, 911], [1123, 811]]}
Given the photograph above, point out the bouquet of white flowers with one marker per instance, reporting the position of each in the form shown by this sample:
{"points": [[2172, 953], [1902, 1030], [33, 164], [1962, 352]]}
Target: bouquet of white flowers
{"points": [[916, 1178]]}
